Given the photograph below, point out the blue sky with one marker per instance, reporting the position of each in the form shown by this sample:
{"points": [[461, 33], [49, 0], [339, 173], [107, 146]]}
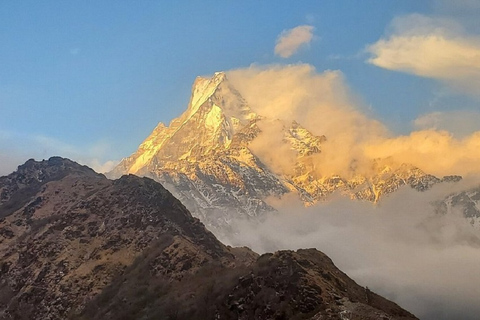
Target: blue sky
{"points": [[90, 79]]}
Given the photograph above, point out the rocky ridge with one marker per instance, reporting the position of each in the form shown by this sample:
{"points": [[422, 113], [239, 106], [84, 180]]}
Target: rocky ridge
{"points": [[75, 245], [465, 203]]}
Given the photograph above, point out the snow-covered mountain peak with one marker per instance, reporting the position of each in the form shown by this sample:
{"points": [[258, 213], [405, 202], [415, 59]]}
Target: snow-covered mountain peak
{"points": [[219, 159], [302, 140], [217, 91]]}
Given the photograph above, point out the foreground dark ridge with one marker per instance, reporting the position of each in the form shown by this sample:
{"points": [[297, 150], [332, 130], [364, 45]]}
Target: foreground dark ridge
{"points": [[75, 245]]}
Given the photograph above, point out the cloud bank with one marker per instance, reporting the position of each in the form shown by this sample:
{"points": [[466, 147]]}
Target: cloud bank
{"points": [[401, 249], [436, 152], [431, 47], [290, 41], [323, 103]]}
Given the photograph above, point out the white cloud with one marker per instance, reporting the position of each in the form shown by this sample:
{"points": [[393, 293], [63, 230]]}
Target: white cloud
{"points": [[436, 48], [435, 152], [401, 249], [290, 41], [322, 103]]}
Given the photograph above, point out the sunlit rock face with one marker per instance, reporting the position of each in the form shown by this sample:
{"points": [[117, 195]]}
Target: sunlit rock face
{"points": [[211, 160], [204, 159]]}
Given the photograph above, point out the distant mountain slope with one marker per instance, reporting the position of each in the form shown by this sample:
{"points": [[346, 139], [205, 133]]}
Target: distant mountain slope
{"points": [[205, 158], [465, 203], [75, 245]]}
